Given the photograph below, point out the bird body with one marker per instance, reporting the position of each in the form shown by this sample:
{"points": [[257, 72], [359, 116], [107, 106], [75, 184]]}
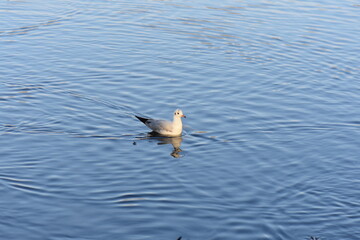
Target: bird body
{"points": [[163, 127]]}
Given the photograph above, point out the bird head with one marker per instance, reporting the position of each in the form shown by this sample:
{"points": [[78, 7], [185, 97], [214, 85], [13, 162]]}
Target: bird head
{"points": [[179, 113]]}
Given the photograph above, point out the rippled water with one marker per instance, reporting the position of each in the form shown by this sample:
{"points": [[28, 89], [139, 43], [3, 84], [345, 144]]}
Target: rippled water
{"points": [[272, 137]]}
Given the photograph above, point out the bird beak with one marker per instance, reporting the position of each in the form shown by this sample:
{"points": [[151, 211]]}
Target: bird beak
{"points": [[183, 116]]}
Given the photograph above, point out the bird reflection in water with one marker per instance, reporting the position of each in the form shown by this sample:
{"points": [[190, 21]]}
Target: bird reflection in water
{"points": [[174, 141]]}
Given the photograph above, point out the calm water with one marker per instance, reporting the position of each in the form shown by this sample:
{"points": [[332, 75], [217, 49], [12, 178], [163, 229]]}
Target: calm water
{"points": [[271, 144]]}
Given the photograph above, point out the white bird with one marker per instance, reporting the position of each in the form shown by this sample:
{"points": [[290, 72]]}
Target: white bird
{"points": [[163, 127]]}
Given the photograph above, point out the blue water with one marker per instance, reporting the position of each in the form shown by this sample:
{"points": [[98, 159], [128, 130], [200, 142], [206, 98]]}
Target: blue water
{"points": [[271, 142]]}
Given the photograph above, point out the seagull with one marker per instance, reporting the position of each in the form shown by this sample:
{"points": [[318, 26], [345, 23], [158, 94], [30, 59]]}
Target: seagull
{"points": [[163, 127]]}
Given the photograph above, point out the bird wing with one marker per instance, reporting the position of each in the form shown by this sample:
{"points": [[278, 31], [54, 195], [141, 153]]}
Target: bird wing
{"points": [[159, 125]]}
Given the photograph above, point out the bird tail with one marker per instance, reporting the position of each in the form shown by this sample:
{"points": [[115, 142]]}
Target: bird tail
{"points": [[142, 119]]}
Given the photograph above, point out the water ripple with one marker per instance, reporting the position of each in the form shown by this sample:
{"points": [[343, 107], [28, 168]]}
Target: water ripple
{"points": [[270, 145], [40, 18]]}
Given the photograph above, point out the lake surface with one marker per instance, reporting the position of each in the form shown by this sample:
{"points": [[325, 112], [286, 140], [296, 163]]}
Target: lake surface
{"points": [[271, 142]]}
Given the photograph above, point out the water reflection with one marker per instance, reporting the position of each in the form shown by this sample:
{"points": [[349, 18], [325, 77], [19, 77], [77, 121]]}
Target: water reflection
{"points": [[174, 141]]}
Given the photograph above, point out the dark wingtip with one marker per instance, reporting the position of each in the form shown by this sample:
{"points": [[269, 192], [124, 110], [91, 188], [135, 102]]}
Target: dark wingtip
{"points": [[141, 119]]}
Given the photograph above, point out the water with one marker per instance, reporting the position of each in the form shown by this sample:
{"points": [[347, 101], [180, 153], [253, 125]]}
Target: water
{"points": [[271, 143]]}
